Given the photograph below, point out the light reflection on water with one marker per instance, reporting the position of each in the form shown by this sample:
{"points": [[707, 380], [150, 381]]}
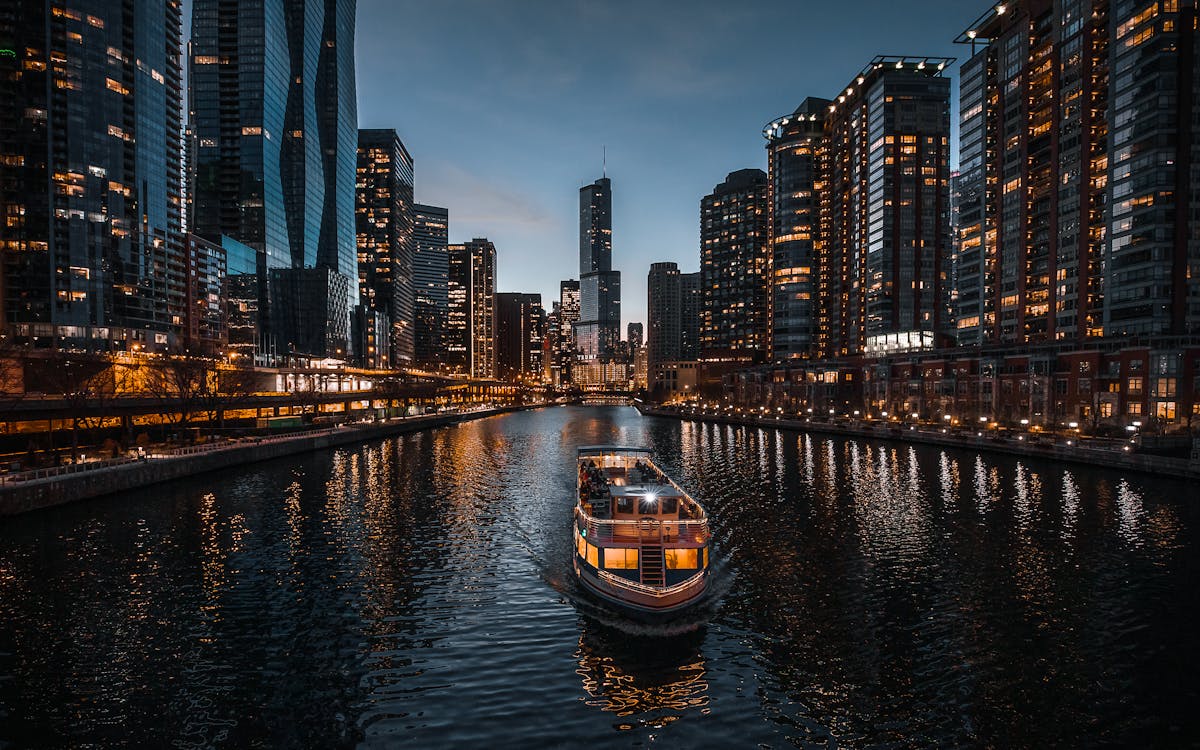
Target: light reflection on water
{"points": [[418, 591]]}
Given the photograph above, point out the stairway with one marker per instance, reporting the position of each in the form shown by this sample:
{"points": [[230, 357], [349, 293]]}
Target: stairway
{"points": [[651, 559]]}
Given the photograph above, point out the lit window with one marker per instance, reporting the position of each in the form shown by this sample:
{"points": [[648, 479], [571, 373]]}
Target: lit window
{"points": [[681, 559], [620, 558]]}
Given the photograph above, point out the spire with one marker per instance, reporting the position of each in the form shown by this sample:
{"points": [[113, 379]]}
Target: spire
{"points": [[604, 161]]}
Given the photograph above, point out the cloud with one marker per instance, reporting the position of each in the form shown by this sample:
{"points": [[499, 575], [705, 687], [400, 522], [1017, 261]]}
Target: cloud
{"points": [[475, 199]]}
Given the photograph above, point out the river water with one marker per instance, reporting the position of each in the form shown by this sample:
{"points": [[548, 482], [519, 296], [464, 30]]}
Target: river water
{"points": [[417, 592]]}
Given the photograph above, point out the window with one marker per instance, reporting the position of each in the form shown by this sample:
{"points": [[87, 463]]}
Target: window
{"points": [[681, 559], [1133, 409], [1164, 387], [580, 544], [1134, 386], [1165, 411], [620, 558], [593, 555]]}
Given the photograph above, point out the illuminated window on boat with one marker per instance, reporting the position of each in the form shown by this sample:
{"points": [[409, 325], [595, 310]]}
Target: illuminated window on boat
{"points": [[706, 557], [620, 558], [593, 555], [625, 504], [681, 559], [580, 544]]}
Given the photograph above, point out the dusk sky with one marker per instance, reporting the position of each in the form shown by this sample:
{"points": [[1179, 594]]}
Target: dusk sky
{"points": [[505, 107]]}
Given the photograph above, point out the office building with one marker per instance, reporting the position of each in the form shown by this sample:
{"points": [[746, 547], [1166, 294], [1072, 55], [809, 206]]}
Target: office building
{"points": [[92, 251], [599, 326], [384, 208], [568, 299], [430, 269], [520, 331], [470, 325], [689, 316], [735, 270], [635, 335], [274, 122], [205, 270]]}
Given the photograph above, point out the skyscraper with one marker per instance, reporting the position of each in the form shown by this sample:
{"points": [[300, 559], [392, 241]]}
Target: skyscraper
{"points": [[635, 334], [520, 330], [796, 147], [385, 236], [276, 152], [689, 316], [664, 336], [735, 269], [1078, 143], [568, 316], [430, 267], [471, 327], [90, 174], [888, 234], [599, 327], [862, 204]]}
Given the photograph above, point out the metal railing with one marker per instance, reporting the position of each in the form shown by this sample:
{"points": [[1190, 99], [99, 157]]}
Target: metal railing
{"points": [[655, 591], [191, 450], [642, 531]]}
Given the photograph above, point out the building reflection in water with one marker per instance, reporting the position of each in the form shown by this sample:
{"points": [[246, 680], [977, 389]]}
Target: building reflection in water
{"points": [[645, 681]]}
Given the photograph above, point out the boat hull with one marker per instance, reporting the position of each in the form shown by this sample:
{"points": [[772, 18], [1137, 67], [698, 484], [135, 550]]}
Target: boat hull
{"points": [[644, 606]]}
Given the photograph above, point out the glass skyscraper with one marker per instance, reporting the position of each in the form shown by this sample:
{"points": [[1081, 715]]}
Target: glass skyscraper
{"points": [[274, 123], [430, 268], [90, 173], [385, 236], [599, 326]]}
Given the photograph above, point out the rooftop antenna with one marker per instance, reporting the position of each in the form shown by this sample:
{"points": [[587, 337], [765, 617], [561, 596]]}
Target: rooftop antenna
{"points": [[604, 161]]}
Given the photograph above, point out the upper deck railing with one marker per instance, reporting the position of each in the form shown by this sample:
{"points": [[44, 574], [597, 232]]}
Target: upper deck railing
{"points": [[687, 532]]}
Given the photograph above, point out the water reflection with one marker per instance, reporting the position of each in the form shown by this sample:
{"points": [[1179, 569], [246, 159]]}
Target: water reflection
{"points": [[645, 681]]}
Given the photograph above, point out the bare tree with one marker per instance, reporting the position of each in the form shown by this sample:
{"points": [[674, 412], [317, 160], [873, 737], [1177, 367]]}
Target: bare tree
{"points": [[85, 382]]}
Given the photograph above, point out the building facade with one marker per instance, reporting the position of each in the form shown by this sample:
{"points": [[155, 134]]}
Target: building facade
{"points": [[92, 251], [735, 270], [471, 321], [1079, 146], [520, 333], [384, 214], [795, 152], [430, 270], [274, 123], [887, 206], [599, 326]]}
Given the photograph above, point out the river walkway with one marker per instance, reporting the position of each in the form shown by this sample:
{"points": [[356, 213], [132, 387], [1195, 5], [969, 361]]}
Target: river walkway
{"points": [[1114, 454], [44, 488]]}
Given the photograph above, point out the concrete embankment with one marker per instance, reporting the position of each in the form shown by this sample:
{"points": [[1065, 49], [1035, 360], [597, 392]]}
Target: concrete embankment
{"points": [[44, 492], [1108, 456]]}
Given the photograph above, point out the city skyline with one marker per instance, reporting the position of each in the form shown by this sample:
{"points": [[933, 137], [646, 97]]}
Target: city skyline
{"points": [[725, 76]]}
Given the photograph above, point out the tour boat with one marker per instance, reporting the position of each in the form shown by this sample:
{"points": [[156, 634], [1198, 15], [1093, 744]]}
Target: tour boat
{"points": [[641, 542]]}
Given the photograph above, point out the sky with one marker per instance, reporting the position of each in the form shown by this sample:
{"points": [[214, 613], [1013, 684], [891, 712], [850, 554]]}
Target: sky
{"points": [[506, 105]]}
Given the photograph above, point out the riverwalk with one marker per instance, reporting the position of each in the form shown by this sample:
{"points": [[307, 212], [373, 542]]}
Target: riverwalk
{"points": [[1110, 454], [34, 490]]}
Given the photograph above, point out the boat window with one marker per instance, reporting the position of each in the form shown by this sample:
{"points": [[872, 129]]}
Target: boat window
{"points": [[593, 555], [648, 507], [625, 504], [681, 559], [620, 558], [670, 505], [580, 544]]}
